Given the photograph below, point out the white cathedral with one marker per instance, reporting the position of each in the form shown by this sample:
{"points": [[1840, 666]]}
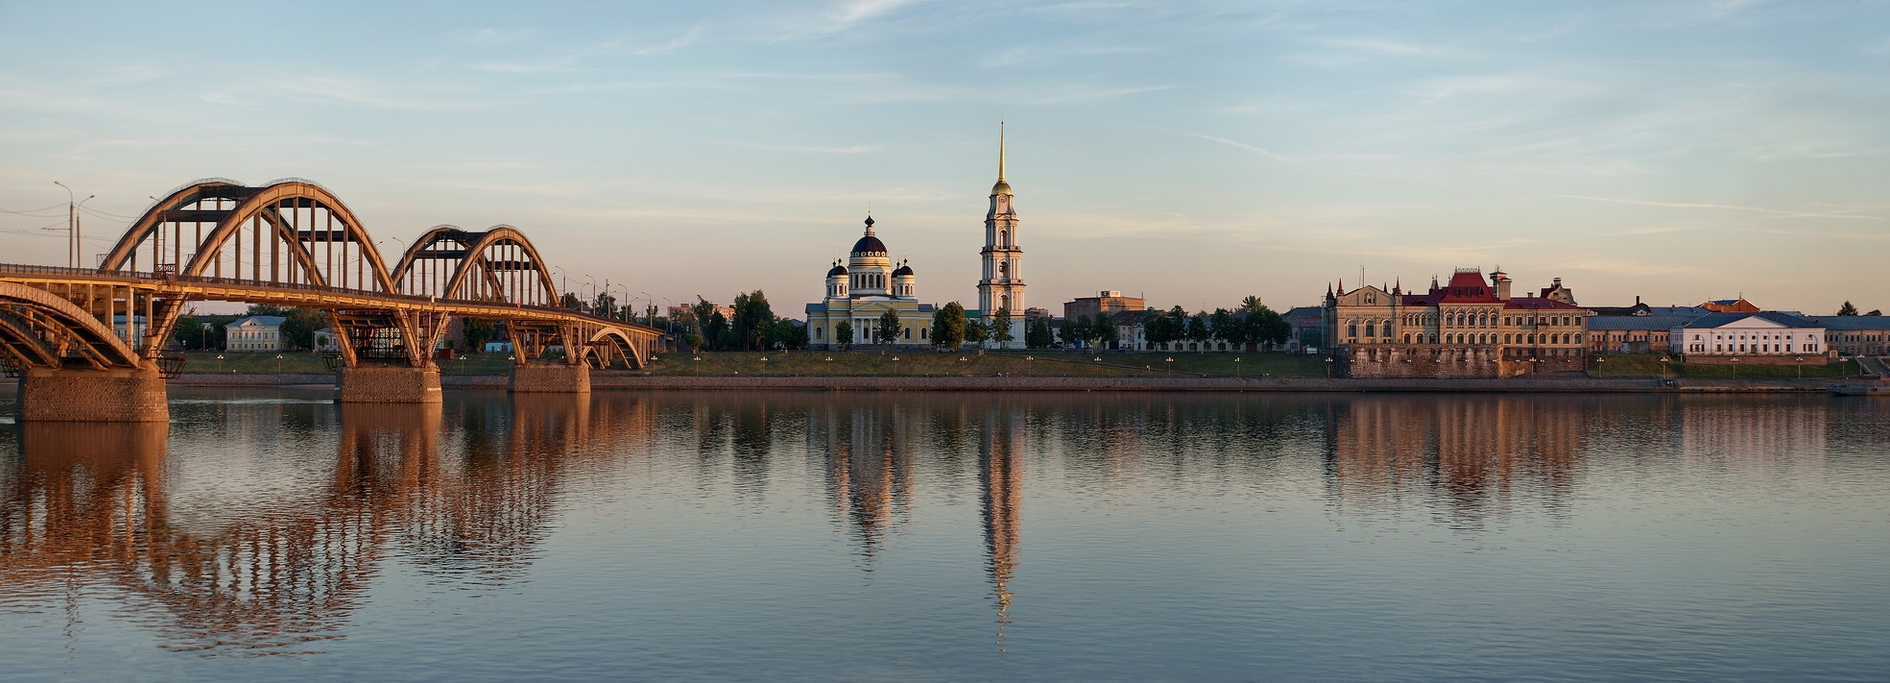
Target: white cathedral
{"points": [[868, 285]]}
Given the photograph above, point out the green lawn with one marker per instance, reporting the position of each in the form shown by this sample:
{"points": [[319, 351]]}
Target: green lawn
{"points": [[816, 363], [1649, 365]]}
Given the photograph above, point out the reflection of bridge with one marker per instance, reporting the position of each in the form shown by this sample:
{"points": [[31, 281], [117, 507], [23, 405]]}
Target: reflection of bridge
{"points": [[89, 340]]}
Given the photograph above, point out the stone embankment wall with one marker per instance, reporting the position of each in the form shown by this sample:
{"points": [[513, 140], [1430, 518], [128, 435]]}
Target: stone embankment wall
{"points": [[1436, 361]]}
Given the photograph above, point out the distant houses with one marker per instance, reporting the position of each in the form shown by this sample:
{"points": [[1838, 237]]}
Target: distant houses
{"points": [[254, 333]]}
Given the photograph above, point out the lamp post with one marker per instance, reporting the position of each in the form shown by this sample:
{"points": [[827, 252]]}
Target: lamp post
{"points": [[1030, 364], [1663, 366], [564, 283], [1236, 367], [74, 249], [1328, 367], [1735, 367], [1171, 364], [1800, 362]]}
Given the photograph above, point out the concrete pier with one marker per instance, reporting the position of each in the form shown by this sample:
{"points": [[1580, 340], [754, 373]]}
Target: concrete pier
{"points": [[68, 395], [387, 384], [550, 379]]}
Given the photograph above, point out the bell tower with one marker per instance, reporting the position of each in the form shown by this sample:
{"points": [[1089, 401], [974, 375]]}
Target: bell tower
{"points": [[1002, 285]]}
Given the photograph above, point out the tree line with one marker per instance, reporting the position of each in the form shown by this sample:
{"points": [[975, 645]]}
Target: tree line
{"points": [[752, 327]]}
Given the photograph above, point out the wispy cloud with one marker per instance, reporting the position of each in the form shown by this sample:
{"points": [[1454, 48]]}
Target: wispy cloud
{"points": [[1237, 145], [1775, 213]]}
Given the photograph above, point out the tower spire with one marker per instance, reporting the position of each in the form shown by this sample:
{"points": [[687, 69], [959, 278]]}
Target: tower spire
{"points": [[1002, 187]]}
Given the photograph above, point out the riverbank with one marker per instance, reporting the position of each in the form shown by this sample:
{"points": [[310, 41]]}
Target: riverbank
{"points": [[618, 380]]}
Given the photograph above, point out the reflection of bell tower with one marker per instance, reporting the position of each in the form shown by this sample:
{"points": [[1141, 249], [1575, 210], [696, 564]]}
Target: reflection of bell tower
{"points": [[1002, 285], [1001, 488]]}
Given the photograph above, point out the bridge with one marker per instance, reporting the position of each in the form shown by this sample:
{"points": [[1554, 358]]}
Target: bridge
{"points": [[88, 342]]}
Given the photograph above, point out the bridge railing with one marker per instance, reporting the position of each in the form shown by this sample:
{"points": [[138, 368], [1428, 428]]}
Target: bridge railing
{"points": [[136, 277]]}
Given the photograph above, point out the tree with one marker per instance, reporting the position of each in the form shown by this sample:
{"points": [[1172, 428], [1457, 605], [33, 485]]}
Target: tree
{"points": [[719, 335], [298, 324], [695, 341], [976, 331], [1066, 332], [1084, 328], [1875, 311], [1198, 330], [1847, 309], [1037, 334], [948, 326], [570, 301], [476, 332], [788, 335], [188, 333], [1001, 327], [888, 331], [1268, 327], [753, 318], [604, 306], [1251, 304], [1103, 330], [699, 314], [1225, 327], [1156, 328], [843, 334]]}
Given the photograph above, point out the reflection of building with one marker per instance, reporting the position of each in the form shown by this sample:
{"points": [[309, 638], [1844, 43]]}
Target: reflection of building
{"points": [[1001, 492], [1467, 328], [1753, 437], [868, 469], [1472, 451]]}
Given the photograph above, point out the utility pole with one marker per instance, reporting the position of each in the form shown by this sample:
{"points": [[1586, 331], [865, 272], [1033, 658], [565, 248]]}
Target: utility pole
{"points": [[74, 246]]}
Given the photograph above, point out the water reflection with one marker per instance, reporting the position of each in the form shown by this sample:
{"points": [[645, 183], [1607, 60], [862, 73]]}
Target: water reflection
{"points": [[265, 529]]}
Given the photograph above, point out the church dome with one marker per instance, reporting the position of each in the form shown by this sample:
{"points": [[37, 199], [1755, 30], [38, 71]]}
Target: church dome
{"points": [[838, 270], [903, 271], [869, 244]]}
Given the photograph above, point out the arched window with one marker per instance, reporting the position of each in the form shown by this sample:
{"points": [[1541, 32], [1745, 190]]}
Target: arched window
{"points": [[817, 332], [1407, 338], [1368, 330], [1004, 270], [1004, 238], [1351, 329]]}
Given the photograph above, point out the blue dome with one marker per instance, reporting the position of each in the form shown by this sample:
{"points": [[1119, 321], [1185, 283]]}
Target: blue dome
{"points": [[904, 271], [869, 245]]}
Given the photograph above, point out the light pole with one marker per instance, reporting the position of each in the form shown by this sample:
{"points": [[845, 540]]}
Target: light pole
{"points": [[1328, 366], [1236, 367], [1735, 367], [564, 282], [590, 293], [1800, 362], [73, 247], [1030, 364], [1663, 366]]}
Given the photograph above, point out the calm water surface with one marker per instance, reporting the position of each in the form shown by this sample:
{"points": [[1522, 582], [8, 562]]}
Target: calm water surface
{"points": [[952, 537]]}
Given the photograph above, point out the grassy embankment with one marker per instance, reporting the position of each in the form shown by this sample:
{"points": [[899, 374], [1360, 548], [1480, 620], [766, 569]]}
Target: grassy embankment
{"points": [[1649, 365], [815, 363]]}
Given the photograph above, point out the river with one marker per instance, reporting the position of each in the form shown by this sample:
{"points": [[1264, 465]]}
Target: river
{"points": [[860, 536]]}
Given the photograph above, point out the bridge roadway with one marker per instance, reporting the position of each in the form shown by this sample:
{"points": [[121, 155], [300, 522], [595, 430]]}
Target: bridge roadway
{"points": [[88, 342]]}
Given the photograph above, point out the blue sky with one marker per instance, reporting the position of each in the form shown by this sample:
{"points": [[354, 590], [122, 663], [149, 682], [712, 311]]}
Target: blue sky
{"points": [[1192, 152]]}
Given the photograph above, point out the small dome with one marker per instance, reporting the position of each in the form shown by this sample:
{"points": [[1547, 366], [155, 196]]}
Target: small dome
{"points": [[838, 270], [903, 271], [1001, 188]]}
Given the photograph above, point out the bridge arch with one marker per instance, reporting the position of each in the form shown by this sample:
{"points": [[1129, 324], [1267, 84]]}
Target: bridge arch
{"points": [[608, 342], [38, 327], [297, 233], [498, 264]]}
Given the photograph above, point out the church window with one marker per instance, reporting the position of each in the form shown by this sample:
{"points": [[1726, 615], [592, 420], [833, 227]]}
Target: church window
{"points": [[1368, 330], [1407, 338], [1004, 238], [817, 332], [1351, 329]]}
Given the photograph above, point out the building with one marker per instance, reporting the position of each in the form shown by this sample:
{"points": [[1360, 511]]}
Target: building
{"points": [[1466, 328], [864, 289], [1001, 286], [1107, 301], [254, 333], [1856, 335], [1308, 328], [1739, 305], [325, 340], [1763, 337]]}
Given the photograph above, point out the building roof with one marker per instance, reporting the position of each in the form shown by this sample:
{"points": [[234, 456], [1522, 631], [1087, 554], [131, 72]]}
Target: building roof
{"points": [[903, 271], [1537, 303], [261, 320], [1638, 322], [1853, 322], [837, 270], [869, 245], [1780, 318]]}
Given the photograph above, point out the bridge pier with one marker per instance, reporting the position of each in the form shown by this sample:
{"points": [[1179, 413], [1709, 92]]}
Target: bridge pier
{"points": [[387, 384], [70, 395], [550, 379]]}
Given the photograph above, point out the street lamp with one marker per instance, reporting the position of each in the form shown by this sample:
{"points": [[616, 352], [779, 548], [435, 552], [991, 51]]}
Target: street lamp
{"points": [[1735, 367], [1171, 364], [1237, 367], [74, 249], [1800, 362], [1328, 366], [1663, 366], [1030, 364]]}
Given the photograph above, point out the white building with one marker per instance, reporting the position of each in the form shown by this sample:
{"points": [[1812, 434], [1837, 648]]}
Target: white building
{"points": [[1001, 285], [862, 291], [254, 333], [1766, 333]]}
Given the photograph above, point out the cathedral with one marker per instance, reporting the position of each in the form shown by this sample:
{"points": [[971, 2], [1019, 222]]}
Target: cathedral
{"points": [[861, 291]]}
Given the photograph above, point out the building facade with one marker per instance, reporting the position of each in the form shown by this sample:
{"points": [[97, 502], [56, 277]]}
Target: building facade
{"points": [[863, 290], [1001, 285], [1107, 301], [254, 333], [1466, 328], [1856, 335], [1765, 337]]}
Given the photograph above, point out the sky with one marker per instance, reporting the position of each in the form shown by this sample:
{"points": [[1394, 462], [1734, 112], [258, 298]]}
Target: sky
{"points": [[1190, 152]]}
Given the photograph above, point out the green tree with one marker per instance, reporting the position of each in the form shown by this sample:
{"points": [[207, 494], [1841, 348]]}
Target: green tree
{"points": [[1037, 334], [1226, 329], [1847, 309], [1001, 327], [717, 331], [1198, 329], [695, 341], [699, 314], [571, 301], [843, 334], [298, 324], [1267, 326], [1156, 328], [604, 306], [1103, 330], [888, 331], [1251, 304], [1066, 332], [188, 333], [475, 332], [976, 331], [1084, 329], [1875, 311], [948, 326], [788, 334]]}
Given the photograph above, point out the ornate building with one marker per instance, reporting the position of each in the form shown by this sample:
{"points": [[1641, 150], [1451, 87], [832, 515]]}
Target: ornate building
{"points": [[1002, 284], [862, 291], [1468, 328]]}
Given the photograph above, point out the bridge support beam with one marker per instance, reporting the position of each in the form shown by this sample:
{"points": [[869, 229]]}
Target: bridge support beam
{"points": [[551, 379], [387, 384], [69, 395]]}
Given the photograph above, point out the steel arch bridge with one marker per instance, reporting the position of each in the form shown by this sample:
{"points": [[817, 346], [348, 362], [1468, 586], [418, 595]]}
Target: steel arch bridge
{"points": [[294, 243]]}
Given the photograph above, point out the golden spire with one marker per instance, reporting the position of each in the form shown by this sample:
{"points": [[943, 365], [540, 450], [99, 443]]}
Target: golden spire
{"points": [[1002, 187]]}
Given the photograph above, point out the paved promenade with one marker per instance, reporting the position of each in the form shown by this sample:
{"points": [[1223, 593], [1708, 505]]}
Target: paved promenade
{"points": [[632, 381]]}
